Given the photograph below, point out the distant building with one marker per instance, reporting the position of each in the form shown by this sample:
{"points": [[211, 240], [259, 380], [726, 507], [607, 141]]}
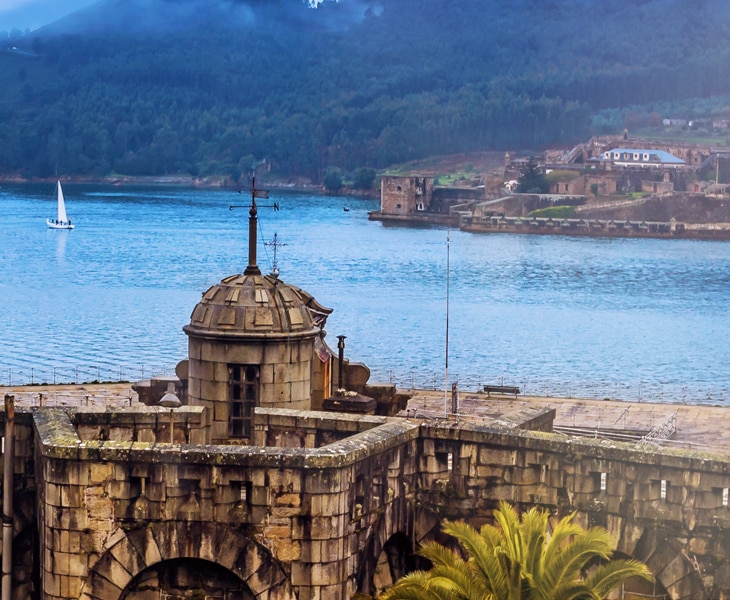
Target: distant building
{"points": [[639, 157], [417, 198]]}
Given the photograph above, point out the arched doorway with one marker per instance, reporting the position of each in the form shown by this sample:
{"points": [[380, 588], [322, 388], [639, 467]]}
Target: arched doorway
{"points": [[396, 559], [180, 557], [187, 579]]}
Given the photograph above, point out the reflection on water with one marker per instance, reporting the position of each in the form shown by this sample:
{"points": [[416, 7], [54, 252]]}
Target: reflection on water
{"points": [[61, 239], [637, 319]]}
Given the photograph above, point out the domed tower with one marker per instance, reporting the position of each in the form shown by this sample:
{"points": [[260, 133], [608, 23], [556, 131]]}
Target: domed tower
{"points": [[255, 341]]}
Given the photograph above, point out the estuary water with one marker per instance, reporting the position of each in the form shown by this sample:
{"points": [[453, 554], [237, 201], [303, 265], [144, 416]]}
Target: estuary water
{"points": [[582, 317]]}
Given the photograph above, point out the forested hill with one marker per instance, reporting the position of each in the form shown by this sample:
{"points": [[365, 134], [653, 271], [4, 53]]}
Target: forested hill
{"points": [[201, 87]]}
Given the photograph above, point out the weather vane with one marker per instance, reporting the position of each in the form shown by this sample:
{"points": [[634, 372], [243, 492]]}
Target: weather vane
{"points": [[252, 268]]}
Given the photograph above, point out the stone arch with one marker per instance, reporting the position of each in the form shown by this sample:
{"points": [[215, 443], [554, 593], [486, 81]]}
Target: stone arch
{"points": [[395, 560], [639, 588], [394, 538], [26, 564], [671, 566], [129, 553], [182, 576], [396, 520]]}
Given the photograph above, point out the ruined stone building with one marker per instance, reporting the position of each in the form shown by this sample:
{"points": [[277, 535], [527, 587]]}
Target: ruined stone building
{"points": [[284, 476]]}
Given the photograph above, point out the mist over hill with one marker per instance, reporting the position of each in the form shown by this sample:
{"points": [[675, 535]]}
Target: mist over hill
{"points": [[151, 87]]}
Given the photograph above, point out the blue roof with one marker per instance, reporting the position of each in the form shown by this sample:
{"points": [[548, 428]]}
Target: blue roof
{"points": [[664, 157]]}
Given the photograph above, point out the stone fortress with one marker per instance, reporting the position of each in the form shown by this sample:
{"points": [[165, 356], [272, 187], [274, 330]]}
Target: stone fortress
{"points": [[269, 469]]}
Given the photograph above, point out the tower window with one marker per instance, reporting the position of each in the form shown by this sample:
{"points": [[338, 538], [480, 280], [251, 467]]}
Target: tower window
{"points": [[243, 394]]}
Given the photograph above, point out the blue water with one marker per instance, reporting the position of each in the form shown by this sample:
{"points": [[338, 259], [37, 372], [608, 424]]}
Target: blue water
{"points": [[619, 318]]}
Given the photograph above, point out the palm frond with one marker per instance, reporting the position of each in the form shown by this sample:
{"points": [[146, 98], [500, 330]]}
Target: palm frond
{"points": [[611, 574]]}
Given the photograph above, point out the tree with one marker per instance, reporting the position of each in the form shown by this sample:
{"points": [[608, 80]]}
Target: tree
{"points": [[333, 179], [532, 178], [519, 559], [362, 178]]}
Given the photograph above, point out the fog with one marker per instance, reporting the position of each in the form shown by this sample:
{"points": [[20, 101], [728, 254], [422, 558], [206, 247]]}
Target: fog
{"points": [[32, 14], [86, 16]]}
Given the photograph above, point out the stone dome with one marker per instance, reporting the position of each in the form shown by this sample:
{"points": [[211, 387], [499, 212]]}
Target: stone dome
{"points": [[250, 306]]}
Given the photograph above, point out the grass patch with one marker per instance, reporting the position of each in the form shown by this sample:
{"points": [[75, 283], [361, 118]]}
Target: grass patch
{"points": [[561, 176], [554, 212]]}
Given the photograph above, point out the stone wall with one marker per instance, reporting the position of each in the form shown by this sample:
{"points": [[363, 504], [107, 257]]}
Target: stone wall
{"points": [[329, 504], [667, 508]]}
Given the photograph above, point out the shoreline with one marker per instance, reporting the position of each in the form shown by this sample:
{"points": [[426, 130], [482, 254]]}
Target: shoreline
{"points": [[686, 231], [189, 181]]}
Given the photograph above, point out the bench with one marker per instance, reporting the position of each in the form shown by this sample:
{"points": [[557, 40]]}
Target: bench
{"points": [[501, 389]]}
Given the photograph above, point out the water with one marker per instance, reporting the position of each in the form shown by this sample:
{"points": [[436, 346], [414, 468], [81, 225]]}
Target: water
{"points": [[620, 318]]}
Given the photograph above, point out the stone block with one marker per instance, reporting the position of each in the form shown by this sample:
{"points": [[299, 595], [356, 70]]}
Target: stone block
{"points": [[266, 374], [278, 512], [100, 472], [218, 431], [193, 389], [220, 411], [61, 563], [119, 490], [325, 528], [326, 573], [249, 354], [194, 352], [260, 496], [70, 587], [213, 391], [288, 499], [286, 550], [78, 565], [52, 584], [121, 434]]}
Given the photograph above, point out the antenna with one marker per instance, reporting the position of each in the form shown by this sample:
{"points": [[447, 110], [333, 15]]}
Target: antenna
{"points": [[448, 277], [275, 243]]}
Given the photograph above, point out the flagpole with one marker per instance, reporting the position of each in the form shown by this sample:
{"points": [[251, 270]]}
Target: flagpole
{"points": [[448, 277]]}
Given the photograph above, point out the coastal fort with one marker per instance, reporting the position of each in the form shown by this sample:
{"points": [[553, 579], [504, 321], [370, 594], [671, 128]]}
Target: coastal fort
{"points": [[611, 186], [270, 468]]}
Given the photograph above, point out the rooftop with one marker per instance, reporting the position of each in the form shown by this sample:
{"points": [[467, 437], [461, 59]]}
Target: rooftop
{"points": [[700, 427]]}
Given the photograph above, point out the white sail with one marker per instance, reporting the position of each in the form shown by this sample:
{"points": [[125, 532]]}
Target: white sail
{"points": [[61, 221], [61, 206]]}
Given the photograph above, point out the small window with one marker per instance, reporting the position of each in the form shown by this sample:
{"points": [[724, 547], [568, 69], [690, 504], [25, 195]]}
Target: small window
{"points": [[604, 477], [419, 206], [399, 188], [397, 206], [243, 394], [725, 496]]}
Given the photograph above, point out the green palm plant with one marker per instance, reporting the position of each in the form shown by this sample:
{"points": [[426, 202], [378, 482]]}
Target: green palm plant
{"points": [[518, 559]]}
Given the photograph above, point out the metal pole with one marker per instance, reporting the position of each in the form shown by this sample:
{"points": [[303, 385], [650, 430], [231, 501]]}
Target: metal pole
{"points": [[172, 425], [448, 277], [341, 360], [8, 484]]}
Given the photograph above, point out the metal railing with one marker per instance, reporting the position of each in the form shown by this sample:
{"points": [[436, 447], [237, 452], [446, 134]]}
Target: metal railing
{"points": [[17, 376], [641, 391]]}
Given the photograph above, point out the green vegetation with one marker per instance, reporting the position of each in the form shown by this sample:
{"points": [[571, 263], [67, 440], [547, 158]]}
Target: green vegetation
{"points": [[561, 176], [454, 178], [532, 178], [214, 88], [520, 559], [553, 212]]}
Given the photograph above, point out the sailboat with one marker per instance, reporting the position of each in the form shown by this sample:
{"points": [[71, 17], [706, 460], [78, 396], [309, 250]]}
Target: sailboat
{"points": [[61, 221]]}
